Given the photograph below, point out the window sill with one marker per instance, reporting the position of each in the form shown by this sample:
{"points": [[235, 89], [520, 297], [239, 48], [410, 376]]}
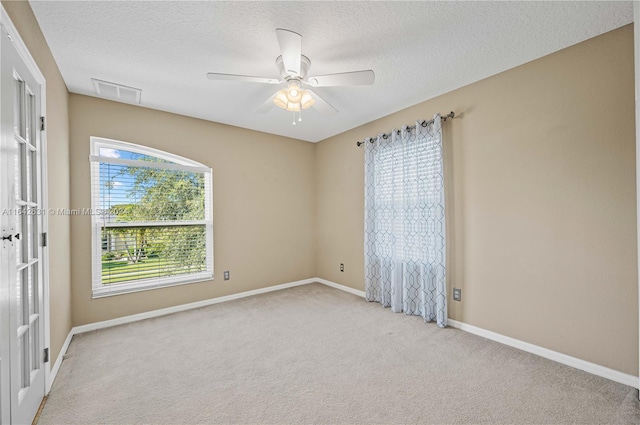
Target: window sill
{"points": [[127, 288]]}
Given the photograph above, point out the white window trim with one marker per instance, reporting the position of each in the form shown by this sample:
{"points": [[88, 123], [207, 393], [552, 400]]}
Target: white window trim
{"points": [[179, 163]]}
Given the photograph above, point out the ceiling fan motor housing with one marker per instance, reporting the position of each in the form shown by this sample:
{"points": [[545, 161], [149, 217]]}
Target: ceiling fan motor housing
{"points": [[305, 64]]}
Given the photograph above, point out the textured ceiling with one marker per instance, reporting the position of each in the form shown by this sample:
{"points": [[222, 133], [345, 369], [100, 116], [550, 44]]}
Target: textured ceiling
{"points": [[418, 50]]}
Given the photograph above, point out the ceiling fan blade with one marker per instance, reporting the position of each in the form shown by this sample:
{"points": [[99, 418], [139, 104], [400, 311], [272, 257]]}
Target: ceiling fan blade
{"points": [[291, 48], [244, 78], [266, 105], [356, 78], [322, 105]]}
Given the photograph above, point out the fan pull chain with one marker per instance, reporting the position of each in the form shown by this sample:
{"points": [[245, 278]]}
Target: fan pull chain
{"points": [[294, 118]]}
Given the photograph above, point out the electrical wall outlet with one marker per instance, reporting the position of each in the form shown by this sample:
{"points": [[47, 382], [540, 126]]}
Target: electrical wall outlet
{"points": [[226, 275], [341, 267], [457, 294]]}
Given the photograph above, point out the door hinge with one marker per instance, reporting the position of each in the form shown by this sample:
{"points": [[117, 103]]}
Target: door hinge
{"points": [[41, 123], [46, 355], [44, 239]]}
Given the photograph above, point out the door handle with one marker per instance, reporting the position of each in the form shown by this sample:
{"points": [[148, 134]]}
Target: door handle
{"points": [[10, 237]]}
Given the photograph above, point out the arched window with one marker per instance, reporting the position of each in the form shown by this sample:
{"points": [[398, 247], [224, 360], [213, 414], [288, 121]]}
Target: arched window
{"points": [[151, 218]]}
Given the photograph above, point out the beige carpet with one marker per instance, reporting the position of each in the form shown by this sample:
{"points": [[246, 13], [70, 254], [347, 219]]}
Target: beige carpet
{"points": [[313, 354]]}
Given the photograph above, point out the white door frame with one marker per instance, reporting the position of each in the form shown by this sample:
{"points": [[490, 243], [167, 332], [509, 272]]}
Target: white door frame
{"points": [[636, 49], [24, 53]]}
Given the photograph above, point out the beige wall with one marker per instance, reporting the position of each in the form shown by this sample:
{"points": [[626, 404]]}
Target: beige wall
{"points": [[263, 203], [58, 170], [541, 196]]}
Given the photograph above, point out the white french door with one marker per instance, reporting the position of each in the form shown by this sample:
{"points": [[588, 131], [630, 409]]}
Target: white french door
{"points": [[22, 366]]}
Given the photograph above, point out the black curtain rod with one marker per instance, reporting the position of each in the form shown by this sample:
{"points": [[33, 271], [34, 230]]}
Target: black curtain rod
{"points": [[411, 127]]}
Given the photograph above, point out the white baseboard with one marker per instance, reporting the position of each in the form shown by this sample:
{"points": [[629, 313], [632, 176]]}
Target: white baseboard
{"points": [[340, 287], [156, 313], [595, 369], [61, 354], [183, 307], [592, 368], [567, 360]]}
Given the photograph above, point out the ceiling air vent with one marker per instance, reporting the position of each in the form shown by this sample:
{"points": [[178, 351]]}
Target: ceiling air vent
{"points": [[117, 91]]}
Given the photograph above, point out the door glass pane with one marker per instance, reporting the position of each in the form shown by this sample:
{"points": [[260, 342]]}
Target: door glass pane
{"points": [[33, 239], [18, 169], [20, 277], [35, 344], [16, 228], [29, 118], [26, 175], [35, 140], [18, 107], [20, 359], [24, 295], [26, 227], [33, 176], [34, 285], [30, 293], [25, 368]]}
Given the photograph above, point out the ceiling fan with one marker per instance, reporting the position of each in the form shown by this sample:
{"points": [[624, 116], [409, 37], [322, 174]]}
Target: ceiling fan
{"points": [[293, 67]]}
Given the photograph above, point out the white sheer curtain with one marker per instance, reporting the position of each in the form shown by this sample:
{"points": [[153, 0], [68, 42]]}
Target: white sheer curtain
{"points": [[405, 237]]}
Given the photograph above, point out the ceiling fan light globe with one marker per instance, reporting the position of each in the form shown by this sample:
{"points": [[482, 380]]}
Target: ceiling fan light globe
{"points": [[280, 99], [293, 106], [293, 91], [307, 100], [294, 96]]}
